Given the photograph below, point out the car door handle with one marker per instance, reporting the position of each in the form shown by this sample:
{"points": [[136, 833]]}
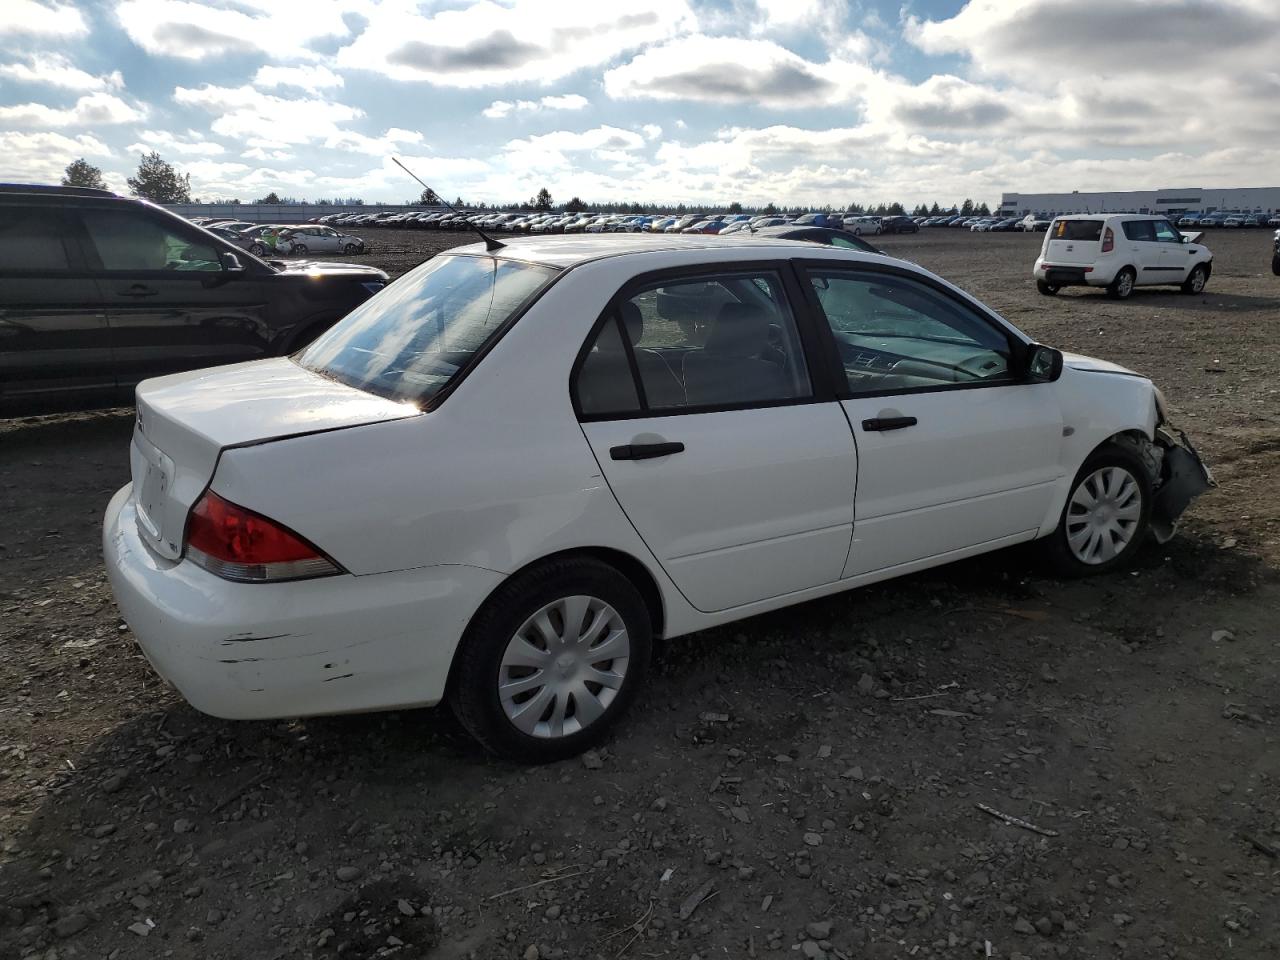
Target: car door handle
{"points": [[644, 451], [138, 290], [888, 423]]}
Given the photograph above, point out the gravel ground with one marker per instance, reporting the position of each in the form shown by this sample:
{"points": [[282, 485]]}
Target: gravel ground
{"points": [[805, 783]]}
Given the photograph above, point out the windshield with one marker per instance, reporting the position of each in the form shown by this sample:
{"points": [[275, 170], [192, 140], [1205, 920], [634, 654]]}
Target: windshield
{"points": [[411, 339]]}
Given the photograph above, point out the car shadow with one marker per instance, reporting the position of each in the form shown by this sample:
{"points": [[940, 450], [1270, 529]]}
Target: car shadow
{"points": [[1173, 299]]}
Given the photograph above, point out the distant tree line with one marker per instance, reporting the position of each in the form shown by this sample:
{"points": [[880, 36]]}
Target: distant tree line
{"points": [[161, 182]]}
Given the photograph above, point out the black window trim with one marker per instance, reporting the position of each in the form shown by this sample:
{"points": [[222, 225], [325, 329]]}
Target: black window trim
{"points": [[1018, 343], [822, 388]]}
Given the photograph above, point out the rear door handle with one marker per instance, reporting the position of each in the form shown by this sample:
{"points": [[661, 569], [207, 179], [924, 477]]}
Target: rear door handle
{"points": [[644, 451], [888, 423], [138, 290]]}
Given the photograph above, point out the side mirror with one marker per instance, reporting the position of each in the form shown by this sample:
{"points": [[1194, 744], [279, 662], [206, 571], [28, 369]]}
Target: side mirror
{"points": [[1185, 238], [231, 263], [1044, 364]]}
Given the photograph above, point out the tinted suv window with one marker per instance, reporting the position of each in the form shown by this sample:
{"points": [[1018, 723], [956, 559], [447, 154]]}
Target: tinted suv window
{"points": [[33, 238], [127, 239], [415, 336], [1077, 230], [895, 334], [1140, 230]]}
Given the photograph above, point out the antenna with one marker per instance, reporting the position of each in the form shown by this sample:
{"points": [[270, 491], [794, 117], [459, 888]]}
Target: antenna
{"points": [[490, 244]]}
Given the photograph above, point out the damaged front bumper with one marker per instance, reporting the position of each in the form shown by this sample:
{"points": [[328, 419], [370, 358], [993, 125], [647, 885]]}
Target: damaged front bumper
{"points": [[1183, 476]]}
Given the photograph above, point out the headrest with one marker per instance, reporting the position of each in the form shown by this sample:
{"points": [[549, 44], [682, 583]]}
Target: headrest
{"points": [[741, 330], [632, 320]]}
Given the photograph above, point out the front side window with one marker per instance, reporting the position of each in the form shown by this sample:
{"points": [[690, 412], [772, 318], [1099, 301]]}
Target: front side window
{"points": [[713, 342], [895, 334], [415, 336], [1165, 233], [131, 240]]}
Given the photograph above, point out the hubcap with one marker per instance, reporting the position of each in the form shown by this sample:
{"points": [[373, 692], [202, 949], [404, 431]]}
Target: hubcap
{"points": [[1197, 281], [563, 667], [1126, 284], [1103, 515]]}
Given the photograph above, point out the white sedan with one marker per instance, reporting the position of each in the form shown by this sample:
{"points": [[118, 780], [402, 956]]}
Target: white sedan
{"points": [[499, 480], [318, 238]]}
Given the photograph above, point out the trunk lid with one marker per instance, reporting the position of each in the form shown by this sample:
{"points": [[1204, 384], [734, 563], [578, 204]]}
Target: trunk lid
{"points": [[186, 420], [1073, 242]]}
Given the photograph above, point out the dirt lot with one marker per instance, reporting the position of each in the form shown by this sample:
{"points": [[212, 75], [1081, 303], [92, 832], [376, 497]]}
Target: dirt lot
{"points": [[803, 784]]}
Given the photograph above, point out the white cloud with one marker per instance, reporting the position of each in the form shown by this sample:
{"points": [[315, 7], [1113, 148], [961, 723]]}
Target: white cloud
{"points": [[55, 70], [651, 131], [313, 79], [91, 110], [733, 70], [245, 113], [548, 152], [520, 41], [388, 143], [43, 157], [193, 144], [196, 31], [42, 19], [502, 108]]}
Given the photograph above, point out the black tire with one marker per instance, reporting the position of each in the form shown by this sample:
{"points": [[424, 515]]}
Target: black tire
{"points": [[1196, 280], [300, 249], [1047, 289], [473, 693], [1275, 264], [258, 250], [1127, 455], [350, 248], [1118, 289]]}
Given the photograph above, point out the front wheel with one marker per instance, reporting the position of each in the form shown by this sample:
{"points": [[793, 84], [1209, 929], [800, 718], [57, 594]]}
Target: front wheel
{"points": [[258, 250], [1275, 264], [349, 249], [300, 249], [1047, 289], [1122, 286], [1107, 513], [552, 660], [1196, 281]]}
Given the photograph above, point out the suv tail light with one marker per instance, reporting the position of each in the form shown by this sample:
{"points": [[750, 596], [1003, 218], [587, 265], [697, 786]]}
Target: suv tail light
{"points": [[1108, 241], [238, 544]]}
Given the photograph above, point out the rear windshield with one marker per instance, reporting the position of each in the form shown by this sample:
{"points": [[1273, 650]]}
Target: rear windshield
{"points": [[1077, 229], [411, 339]]}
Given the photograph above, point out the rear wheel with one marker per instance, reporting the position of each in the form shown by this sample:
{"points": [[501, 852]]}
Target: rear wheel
{"points": [[300, 249], [258, 250], [1122, 286], [1107, 513], [1196, 281], [1275, 264], [552, 661], [1047, 289]]}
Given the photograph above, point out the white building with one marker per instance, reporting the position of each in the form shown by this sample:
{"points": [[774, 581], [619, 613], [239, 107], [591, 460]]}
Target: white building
{"points": [[1164, 200]]}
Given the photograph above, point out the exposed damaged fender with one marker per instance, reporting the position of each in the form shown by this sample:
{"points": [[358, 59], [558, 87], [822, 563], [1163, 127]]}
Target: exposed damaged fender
{"points": [[1183, 477]]}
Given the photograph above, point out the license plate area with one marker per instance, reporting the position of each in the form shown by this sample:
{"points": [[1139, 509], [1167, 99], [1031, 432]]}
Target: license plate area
{"points": [[153, 487]]}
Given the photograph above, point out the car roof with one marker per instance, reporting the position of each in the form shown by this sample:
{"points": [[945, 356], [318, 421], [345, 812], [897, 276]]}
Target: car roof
{"points": [[560, 251]]}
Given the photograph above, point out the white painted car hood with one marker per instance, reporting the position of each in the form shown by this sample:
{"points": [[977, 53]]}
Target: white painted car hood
{"points": [[1077, 361]]}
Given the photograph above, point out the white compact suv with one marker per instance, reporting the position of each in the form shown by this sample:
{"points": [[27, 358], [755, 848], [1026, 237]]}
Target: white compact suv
{"points": [[1120, 252]]}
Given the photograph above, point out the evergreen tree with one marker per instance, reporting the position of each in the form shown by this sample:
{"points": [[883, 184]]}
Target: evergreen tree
{"points": [[575, 205], [896, 209], [983, 210], [269, 198], [429, 198], [735, 207], [543, 200], [159, 182], [935, 210], [81, 173], [966, 208]]}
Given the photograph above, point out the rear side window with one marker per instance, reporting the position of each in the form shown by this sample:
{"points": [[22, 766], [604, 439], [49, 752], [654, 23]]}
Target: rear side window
{"points": [[1077, 229], [414, 337], [33, 239], [1140, 230], [130, 240]]}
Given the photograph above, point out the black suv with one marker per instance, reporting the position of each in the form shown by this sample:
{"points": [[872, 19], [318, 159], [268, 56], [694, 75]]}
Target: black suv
{"points": [[99, 291]]}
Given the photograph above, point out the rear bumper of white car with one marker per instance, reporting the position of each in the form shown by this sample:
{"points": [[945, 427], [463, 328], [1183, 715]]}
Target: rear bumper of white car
{"points": [[255, 651], [1068, 275]]}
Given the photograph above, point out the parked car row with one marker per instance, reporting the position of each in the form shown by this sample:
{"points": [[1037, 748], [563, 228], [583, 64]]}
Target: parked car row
{"points": [[1228, 218], [271, 239]]}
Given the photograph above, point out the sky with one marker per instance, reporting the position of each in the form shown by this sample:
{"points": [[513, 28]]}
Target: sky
{"points": [[796, 102]]}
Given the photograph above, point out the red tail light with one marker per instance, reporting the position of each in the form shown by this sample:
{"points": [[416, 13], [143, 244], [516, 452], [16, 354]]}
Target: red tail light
{"points": [[1108, 241], [238, 544]]}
